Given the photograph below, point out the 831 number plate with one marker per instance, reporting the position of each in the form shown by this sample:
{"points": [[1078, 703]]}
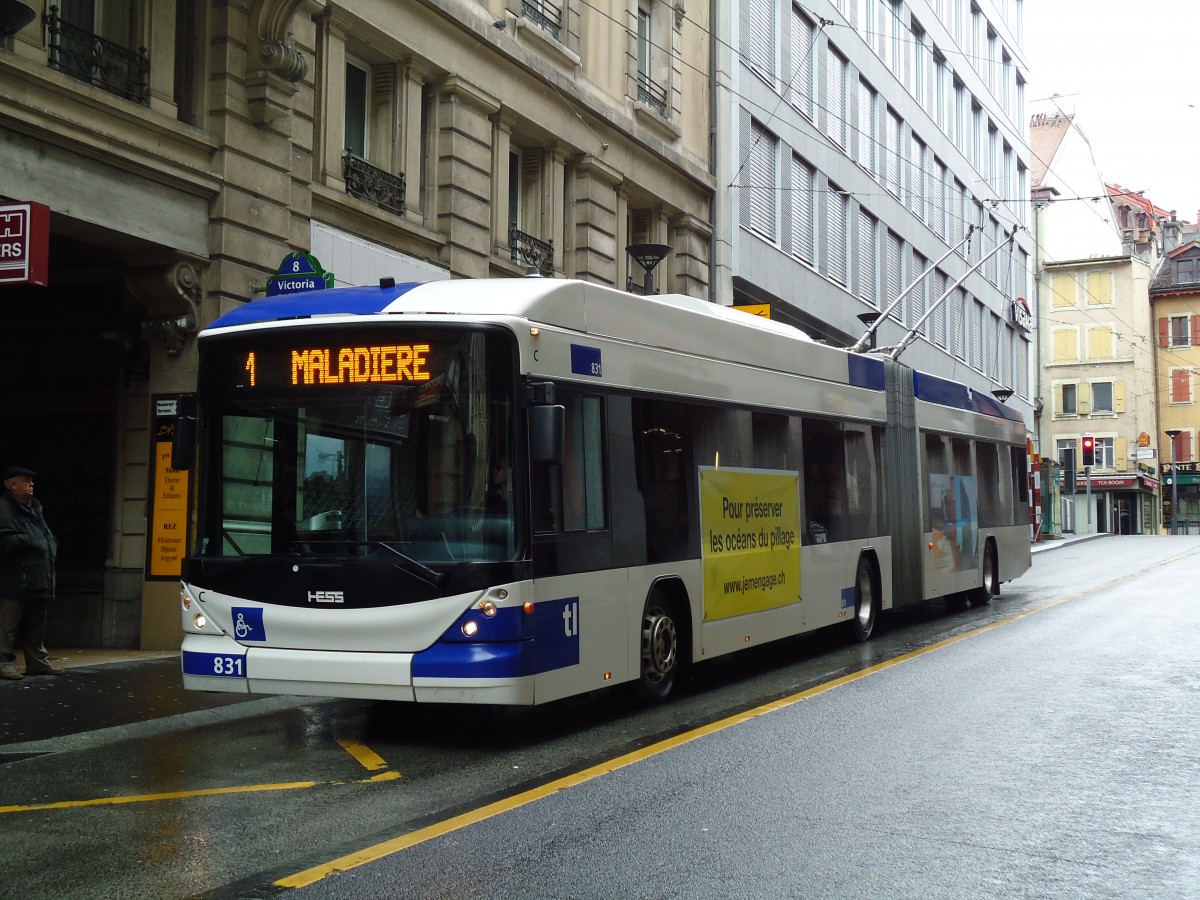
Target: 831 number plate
{"points": [[219, 665]]}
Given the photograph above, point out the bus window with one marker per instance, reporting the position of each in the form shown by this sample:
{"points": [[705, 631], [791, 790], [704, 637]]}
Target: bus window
{"points": [[665, 475], [965, 504], [1020, 485], [937, 479], [824, 481], [987, 468], [860, 484], [770, 442], [570, 497]]}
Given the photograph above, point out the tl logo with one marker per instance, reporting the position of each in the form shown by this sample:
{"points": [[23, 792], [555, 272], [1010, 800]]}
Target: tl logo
{"points": [[570, 616]]}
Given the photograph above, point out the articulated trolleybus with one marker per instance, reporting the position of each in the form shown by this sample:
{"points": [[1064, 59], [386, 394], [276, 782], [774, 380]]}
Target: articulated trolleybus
{"points": [[510, 491]]}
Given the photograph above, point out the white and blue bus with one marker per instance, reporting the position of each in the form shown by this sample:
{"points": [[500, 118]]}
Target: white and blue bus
{"points": [[510, 491]]}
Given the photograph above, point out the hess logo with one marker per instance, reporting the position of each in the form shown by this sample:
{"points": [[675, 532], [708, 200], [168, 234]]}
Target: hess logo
{"points": [[326, 597]]}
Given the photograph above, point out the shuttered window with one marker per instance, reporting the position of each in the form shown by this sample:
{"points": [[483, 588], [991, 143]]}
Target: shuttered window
{"points": [[1181, 386], [895, 131], [835, 98], [758, 35], [760, 148], [920, 294], [893, 283], [868, 155], [868, 258], [940, 314], [804, 222], [804, 54], [837, 261]]}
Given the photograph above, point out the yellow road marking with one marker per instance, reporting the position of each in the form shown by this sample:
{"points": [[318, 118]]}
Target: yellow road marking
{"points": [[438, 829], [366, 757], [173, 795]]}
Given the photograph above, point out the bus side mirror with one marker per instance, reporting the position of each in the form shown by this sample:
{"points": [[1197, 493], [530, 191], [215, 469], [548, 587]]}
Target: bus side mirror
{"points": [[547, 433], [183, 445]]}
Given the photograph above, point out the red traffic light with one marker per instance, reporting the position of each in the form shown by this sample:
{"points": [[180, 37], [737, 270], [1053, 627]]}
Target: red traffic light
{"points": [[1089, 450]]}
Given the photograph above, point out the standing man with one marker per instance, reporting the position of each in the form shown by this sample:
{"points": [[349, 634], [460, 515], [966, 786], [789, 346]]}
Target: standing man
{"points": [[27, 551]]}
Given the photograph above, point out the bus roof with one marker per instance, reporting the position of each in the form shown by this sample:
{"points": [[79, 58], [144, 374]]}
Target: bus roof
{"points": [[673, 321]]}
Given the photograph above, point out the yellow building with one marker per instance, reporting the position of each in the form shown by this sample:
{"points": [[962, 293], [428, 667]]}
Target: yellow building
{"points": [[1175, 299]]}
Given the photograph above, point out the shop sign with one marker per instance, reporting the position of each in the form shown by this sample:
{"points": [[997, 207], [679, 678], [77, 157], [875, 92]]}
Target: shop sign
{"points": [[757, 309], [24, 243], [1113, 482], [1020, 315], [1143, 440], [298, 273]]}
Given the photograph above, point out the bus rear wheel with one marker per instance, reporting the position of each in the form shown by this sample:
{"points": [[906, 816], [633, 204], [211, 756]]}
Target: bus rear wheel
{"points": [[866, 601], [660, 651], [983, 594]]}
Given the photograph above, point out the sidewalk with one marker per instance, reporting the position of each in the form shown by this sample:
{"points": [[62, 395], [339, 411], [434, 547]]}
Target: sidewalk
{"points": [[111, 695], [1064, 540]]}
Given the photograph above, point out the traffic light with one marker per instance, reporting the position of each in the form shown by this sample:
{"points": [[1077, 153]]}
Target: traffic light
{"points": [[1089, 450]]}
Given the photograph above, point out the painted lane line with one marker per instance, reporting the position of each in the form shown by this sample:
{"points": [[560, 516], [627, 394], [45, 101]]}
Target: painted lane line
{"points": [[174, 795], [366, 757]]}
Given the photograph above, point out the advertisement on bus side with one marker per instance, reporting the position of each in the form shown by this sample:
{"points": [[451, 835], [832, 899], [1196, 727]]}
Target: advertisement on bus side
{"points": [[750, 536]]}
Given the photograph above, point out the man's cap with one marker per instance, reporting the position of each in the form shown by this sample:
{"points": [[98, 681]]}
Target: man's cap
{"points": [[14, 471]]}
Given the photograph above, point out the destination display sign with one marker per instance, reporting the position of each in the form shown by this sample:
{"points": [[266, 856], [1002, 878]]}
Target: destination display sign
{"points": [[318, 366]]}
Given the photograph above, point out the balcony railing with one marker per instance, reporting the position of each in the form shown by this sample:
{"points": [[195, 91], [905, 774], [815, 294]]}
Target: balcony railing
{"points": [[88, 57], [545, 14], [373, 184], [531, 251], [651, 93]]}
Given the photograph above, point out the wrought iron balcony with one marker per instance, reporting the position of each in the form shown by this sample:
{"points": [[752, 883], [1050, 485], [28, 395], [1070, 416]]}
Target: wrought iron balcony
{"points": [[373, 184], [651, 93], [531, 251], [88, 57], [545, 14], [634, 287]]}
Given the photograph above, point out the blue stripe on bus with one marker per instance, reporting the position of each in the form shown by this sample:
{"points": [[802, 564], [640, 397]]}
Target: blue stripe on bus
{"points": [[866, 372], [932, 389], [555, 645], [357, 301]]}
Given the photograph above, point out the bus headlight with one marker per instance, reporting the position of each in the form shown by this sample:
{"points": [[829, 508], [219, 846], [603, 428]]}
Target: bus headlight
{"points": [[185, 598], [488, 608], [470, 628], [200, 621]]}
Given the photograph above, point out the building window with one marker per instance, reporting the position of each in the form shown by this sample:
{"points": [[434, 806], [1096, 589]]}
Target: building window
{"points": [[1101, 342], [1065, 395], [804, 208], [1180, 335], [1106, 455], [837, 69], [837, 210], [357, 118], [1102, 398], [868, 258], [758, 36], [868, 139], [895, 152], [803, 48], [1099, 289], [1185, 271], [1062, 290], [1181, 385], [544, 14], [651, 86], [1065, 345], [760, 150]]}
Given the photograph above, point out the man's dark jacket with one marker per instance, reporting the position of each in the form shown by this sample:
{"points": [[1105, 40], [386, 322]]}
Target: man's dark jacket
{"points": [[27, 551]]}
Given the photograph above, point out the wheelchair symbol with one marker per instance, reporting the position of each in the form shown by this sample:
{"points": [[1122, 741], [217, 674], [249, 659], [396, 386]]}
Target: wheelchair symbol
{"points": [[241, 628]]}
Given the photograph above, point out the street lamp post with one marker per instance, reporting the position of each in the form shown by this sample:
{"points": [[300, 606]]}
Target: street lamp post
{"points": [[1173, 433]]}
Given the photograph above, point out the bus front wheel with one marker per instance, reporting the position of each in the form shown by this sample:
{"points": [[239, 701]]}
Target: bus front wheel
{"points": [[660, 651], [866, 601]]}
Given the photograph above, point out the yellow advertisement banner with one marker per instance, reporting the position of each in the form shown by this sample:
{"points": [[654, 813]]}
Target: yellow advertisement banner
{"points": [[168, 525], [750, 540]]}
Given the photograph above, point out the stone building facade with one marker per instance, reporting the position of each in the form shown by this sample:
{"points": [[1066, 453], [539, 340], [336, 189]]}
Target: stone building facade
{"points": [[184, 148]]}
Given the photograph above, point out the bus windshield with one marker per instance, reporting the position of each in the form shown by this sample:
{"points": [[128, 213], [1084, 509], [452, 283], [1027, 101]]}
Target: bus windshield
{"points": [[354, 442]]}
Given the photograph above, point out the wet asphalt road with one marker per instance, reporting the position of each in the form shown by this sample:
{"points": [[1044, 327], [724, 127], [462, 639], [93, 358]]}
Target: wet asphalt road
{"points": [[1052, 755]]}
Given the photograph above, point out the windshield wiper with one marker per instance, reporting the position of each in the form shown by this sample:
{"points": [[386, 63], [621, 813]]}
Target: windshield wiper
{"points": [[407, 563]]}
